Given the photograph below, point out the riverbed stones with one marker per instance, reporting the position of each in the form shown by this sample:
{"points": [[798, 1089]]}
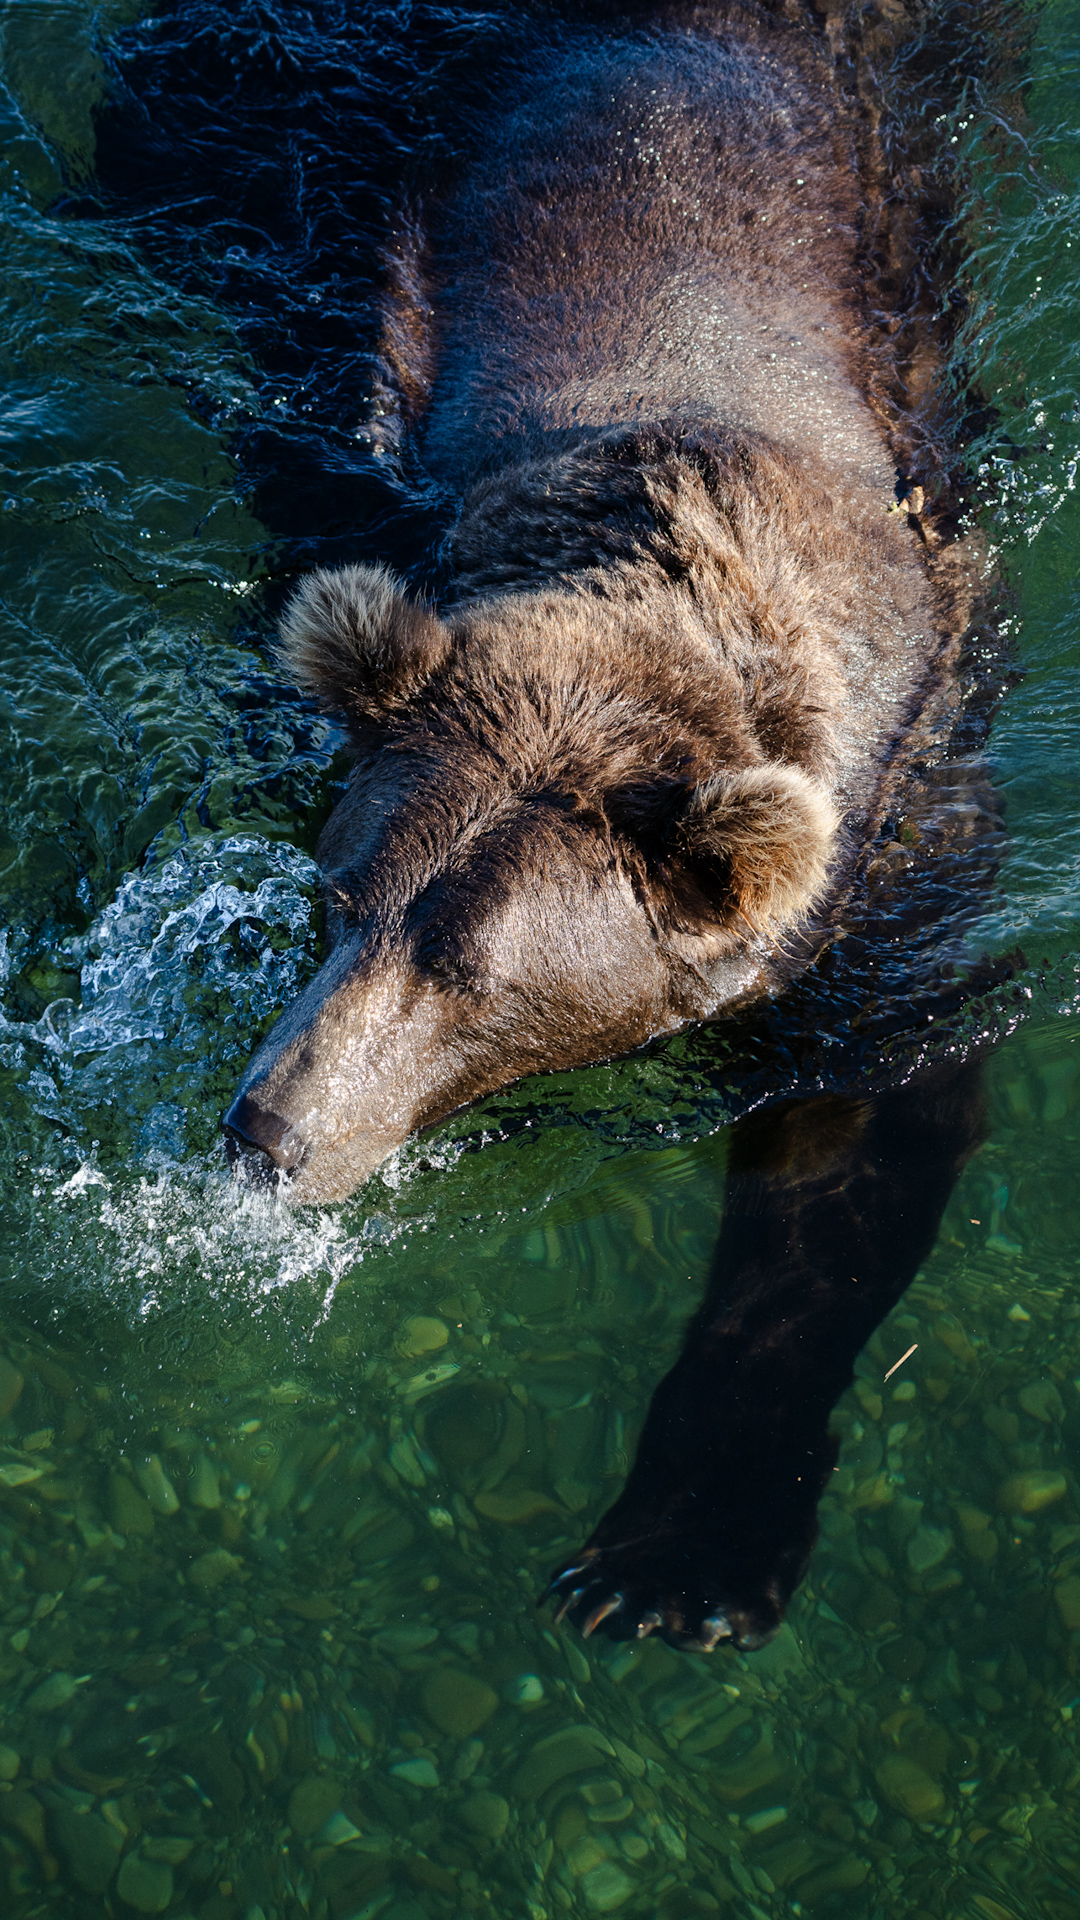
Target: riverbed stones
{"points": [[486, 1814], [132, 1513], [312, 1802], [631, 1762], [840, 1876], [1041, 1399], [572, 1750], [205, 1487], [400, 1642], [928, 1547], [9, 1763], [1067, 1596], [1030, 1492], [90, 1845], [54, 1693], [156, 1485], [606, 1888], [422, 1333], [212, 1569], [584, 1854], [172, 1847], [146, 1885], [11, 1385], [910, 1789], [457, 1703], [514, 1507], [417, 1773]]}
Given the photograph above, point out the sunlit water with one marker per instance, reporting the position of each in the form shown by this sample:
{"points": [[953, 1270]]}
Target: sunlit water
{"points": [[277, 1492]]}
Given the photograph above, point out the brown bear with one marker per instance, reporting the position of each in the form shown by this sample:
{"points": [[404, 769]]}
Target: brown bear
{"points": [[624, 775]]}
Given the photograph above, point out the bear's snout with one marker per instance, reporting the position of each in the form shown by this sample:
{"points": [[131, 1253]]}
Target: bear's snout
{"points": [[259, 1142]]}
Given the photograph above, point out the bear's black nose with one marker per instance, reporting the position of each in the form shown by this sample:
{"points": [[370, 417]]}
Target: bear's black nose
{"points": [[257, 1135]]}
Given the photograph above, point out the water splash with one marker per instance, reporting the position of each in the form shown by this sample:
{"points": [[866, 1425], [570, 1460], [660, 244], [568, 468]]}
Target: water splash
{"points": [[215, 942]]}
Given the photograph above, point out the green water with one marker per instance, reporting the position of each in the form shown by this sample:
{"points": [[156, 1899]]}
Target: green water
{"points": [[277, 1493]]}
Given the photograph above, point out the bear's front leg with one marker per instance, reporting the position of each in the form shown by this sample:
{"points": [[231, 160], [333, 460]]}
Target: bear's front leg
{"points": [[831, 1206]]}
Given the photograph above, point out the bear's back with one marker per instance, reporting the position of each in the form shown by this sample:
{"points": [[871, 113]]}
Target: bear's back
{"points": [[665, 227]]}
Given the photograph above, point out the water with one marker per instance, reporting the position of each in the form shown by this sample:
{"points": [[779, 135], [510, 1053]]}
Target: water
{"points": [[277, 1492]]}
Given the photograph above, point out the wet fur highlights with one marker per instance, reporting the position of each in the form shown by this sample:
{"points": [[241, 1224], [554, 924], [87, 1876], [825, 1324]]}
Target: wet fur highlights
{"points": [[622, 766]]}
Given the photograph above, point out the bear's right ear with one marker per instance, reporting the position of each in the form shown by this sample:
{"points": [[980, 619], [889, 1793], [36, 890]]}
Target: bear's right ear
{"points": [[761, 837], [353, 638]]}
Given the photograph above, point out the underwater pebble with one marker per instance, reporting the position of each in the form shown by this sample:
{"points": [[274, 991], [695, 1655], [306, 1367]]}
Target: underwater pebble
{"points": [[405, 1460], [132, 1514], [55, 1692], [146, 1885], [18, 1473], [312, 1606], [397, 1641], [487, 1814], [928, 1547], [418, 1773], [841, 1876], [156, 1485], [524, 1691], [514, 1508], [468, 1760], [1067, 1596], [24, 1812], [579, 1667], [613, 1812], [91, 1846], [424, 1383], [1003, 1424], [171, 1847], [11, 1385], [457, 1703], [584, 1854], [570, 1751], [210, 1569], [768, 1817], [9, 1763], [338, 1831], [910, 1789], [205, 1487], [957, 1342], [606, 1888], [1042, 1401], [422, 1334], [312, 1803], [632, 1762], [1030, 1492]]}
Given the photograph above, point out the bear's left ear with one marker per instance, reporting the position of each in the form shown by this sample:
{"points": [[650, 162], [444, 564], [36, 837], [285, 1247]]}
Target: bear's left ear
{"points": [[353, 637], [764, 835]]}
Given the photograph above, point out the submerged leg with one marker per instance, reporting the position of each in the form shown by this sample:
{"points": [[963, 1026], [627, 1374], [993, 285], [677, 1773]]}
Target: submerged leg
{"points": [[832, 1204]]}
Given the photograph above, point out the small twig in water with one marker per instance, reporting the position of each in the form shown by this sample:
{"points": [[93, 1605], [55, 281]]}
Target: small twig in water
{"points": [[900, 1362]]}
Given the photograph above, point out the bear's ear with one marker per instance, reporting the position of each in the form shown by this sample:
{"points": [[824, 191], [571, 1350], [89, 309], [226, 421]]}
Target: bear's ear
{"points": [[353, 638], [763, 836]]}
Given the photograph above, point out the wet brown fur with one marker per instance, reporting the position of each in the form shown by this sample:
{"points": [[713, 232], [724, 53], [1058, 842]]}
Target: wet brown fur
{"points": [[624, 775]]}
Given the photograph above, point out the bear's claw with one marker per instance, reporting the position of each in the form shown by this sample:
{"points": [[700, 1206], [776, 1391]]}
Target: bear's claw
{"points": [[596, 1593]]}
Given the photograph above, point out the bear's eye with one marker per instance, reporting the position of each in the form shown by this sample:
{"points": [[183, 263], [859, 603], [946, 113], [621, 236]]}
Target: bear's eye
{"points": [[441, 965]]}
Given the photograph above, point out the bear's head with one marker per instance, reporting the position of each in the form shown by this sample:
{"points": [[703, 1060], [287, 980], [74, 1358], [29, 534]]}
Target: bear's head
{"points": [[561, 838]]}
